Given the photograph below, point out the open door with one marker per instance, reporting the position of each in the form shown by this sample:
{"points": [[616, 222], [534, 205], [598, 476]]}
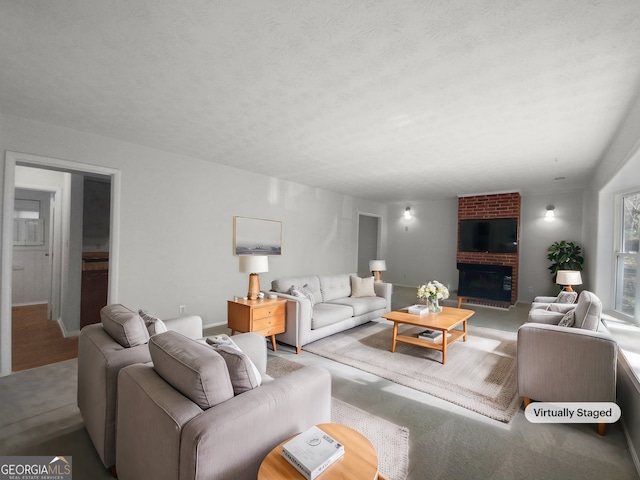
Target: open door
{"points": [[368, 233]]}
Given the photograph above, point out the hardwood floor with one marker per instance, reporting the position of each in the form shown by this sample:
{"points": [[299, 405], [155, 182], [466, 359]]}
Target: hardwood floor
{"points": [[36, 341]]}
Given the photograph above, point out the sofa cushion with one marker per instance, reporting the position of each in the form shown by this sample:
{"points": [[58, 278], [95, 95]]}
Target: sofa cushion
{"points": [[588, 311], [335, 286], [124, 326], [325, 314], [284, 284], [567, 297], [362, 287], [191, 367], [244, 374], [362, 305], [153, 323], [568, 319]]}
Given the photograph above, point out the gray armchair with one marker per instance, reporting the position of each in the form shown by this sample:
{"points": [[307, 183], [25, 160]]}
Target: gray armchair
{"points": [[105, 348], [182, 417], [567, 364]]}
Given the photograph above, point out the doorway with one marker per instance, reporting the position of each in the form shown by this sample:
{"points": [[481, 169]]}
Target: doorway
{"points": [[368, 242], [69, 282]]}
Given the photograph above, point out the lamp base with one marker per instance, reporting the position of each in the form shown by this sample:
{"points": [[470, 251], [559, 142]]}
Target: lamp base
{"points": [[376, 275], [567, 288], [254, 286]]}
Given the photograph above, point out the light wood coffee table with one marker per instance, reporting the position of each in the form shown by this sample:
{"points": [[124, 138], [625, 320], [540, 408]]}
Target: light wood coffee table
{"points": [[359, 461], [445, 321]]}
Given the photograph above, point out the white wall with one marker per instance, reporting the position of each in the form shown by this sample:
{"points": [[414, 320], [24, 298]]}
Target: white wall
{"points": [[618, 171], [176, 220], [537, 234], [424, 247]]}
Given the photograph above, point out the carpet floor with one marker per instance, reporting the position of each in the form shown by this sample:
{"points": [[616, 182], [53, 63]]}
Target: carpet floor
{"points": [[479, 375], [390, 441]]}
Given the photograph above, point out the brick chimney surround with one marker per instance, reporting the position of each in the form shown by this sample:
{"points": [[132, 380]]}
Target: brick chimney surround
{"points": [[501, 205]]}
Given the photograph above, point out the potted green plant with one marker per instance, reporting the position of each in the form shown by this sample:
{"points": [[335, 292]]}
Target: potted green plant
{"points": [[564, 256]]}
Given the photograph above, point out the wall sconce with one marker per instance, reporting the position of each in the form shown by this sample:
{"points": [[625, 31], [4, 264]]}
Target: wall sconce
{"points": [[407, 213], [550, 214]]}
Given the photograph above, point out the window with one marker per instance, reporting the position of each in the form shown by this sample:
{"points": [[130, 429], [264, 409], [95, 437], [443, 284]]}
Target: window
{"points": [[627, 287], [28, 226]]}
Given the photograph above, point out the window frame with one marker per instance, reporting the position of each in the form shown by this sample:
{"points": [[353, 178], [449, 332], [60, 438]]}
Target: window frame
{"points": [[620, 255]]}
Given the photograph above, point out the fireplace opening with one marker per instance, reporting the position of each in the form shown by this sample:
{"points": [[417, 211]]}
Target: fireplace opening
{"points": [[485, 282]]}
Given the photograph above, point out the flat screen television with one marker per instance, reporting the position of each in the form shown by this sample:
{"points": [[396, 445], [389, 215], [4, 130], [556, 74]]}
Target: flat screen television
{"points": [[495, 235]]}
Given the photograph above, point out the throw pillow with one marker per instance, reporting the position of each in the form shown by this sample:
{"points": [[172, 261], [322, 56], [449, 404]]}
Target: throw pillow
{"points": [[568, 319], [362, 287], [244, 374], [153, 323], [567, 297], [303, 292], [223, 339]]}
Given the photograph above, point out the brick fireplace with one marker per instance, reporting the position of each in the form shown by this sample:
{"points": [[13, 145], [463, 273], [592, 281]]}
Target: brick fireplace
{"points": [[502, 205]]}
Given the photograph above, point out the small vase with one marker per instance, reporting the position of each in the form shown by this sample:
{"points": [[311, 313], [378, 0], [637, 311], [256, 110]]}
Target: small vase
{"points": [[434, 306]]}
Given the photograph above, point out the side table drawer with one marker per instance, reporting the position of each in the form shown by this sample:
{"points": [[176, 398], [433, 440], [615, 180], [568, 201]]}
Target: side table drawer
{"points": [[274, 330], [270, 322], [268, 311]]}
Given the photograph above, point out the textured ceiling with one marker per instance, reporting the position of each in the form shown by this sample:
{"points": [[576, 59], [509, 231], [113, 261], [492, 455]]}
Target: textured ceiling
{"points": [[388, 100]]}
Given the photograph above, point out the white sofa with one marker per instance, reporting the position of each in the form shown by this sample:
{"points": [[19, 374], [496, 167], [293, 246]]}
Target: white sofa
{"points": [[334, 309]]}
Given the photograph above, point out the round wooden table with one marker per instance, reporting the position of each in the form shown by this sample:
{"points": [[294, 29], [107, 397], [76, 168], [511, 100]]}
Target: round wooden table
{"points": [[359, 461]]}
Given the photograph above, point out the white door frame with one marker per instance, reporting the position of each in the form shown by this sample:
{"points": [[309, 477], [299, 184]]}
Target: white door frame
{"points": [[16, 158]]}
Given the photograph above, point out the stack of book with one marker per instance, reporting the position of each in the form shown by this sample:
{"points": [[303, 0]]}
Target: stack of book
{"points": [[418, 309], [312, 452], [432, 335]]}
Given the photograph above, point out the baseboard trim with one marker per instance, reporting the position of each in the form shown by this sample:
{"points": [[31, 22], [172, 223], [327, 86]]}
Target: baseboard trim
{"points": [[632, 450], [65, 334]]}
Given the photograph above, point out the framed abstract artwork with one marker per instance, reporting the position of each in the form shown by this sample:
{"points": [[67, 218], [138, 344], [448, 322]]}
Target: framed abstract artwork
{"points": [[256, 236]]}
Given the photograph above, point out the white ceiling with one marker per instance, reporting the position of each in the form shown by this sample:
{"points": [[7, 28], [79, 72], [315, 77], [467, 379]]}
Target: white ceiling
{"points": [[389, 100]]}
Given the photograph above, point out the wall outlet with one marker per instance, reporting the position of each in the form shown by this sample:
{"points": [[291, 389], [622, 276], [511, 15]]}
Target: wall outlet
{"points": [[182, 309]]}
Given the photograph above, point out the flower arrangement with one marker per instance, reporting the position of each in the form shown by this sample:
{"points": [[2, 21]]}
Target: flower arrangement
{"points": [[432, 292], [433, 289]]}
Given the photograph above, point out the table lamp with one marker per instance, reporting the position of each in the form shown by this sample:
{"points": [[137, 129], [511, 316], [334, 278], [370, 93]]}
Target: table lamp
{"points": [[253, 265], [377, 266], [568, 278]]}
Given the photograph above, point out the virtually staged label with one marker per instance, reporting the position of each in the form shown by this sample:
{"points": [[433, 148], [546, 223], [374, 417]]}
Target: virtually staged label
{"points": [[572, 412]]}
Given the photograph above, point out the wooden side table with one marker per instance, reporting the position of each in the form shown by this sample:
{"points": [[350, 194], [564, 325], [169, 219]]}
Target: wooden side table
{"points": [[264, 316], [359, 462]]}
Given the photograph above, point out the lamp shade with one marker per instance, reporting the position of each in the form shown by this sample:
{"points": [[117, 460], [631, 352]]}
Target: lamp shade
{"points": [[377, 265], [254, 263], [568, 277]]}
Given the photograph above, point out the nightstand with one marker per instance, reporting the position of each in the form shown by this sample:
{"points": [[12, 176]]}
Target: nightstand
{"points": [[263, 316]]}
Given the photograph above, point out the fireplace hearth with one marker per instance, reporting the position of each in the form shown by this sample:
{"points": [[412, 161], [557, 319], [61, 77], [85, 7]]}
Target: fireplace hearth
{"points": [[485, 282]]}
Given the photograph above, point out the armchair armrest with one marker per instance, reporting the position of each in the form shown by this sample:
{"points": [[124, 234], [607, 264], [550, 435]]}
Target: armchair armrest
{"points": [[100, 360], [544, 316], [258, 420], [543, 299], [189, 326], [566, 364]]}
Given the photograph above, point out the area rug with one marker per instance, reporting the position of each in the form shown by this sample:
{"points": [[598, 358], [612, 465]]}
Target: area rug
{"points": [[480, 374], [390, 440]]}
